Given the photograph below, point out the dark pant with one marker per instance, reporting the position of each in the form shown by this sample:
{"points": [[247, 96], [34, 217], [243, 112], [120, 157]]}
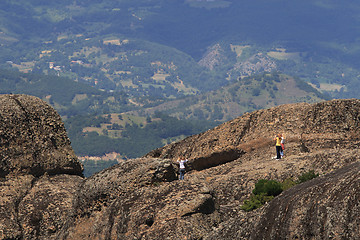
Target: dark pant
{"points": [[278, 150], [182, 173]]}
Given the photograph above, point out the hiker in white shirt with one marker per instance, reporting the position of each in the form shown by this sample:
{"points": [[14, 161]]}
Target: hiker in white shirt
{"points": [[182, 162]]}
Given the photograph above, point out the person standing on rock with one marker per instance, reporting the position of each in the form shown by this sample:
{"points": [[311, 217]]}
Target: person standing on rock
{"points": [[282, 142], [182, 162], [278, 146]]}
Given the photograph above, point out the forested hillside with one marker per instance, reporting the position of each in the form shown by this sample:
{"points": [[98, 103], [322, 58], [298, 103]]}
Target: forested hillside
{"points": [[99, 122], [245, 95]]}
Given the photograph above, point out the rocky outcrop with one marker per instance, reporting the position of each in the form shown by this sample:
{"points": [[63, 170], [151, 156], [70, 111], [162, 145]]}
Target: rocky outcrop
{"points": [[39, 171], [324, 208], [142, 198], [33, 138], [331, 122], [322, 137]]}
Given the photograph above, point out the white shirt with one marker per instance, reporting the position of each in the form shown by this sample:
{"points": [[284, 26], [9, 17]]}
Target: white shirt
{"points": [[181, 162]]}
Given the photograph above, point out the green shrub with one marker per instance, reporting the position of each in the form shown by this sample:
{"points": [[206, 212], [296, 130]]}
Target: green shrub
{"points": [[255, 202], [287, 183], [266, 190], [307, 176], [267, 187], [259, 187]]}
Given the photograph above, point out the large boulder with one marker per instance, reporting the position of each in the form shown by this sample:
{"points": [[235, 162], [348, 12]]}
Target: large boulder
{"points": [[39, 172], [33, 138]]}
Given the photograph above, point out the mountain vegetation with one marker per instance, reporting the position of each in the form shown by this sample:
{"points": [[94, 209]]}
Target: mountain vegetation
{"points": [[128, 135], [67, 96], [245, 95], [99, 122], [93, 126]]}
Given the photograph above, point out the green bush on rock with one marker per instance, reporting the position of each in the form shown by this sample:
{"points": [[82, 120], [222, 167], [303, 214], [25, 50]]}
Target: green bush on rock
{"points": [[266, 190], [307, 176], [267, 187], [256, 201]]}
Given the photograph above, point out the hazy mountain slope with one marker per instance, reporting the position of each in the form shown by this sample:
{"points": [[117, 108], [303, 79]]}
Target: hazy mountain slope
{"points": [[125, 132], [127, 135], [94, 118], [297, 22], [245, 95], [173, 22]]}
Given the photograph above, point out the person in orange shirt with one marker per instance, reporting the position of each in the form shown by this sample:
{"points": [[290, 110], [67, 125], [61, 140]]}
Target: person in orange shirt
{"points": [[278, 146]]}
